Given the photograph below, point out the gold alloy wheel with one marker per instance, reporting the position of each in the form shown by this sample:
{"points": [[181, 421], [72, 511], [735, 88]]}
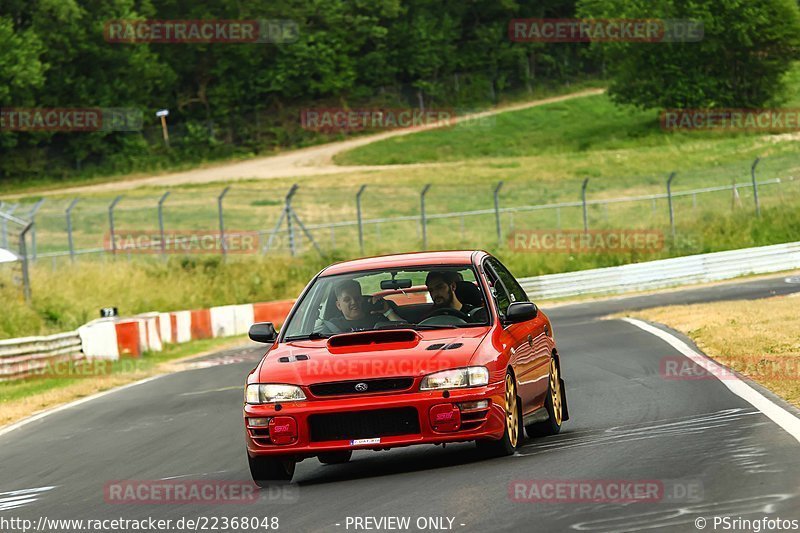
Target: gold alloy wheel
{"points": [[555, 391], [512, 413]]}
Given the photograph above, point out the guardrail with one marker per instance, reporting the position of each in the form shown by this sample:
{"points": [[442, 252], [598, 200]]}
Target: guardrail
{"points": [[29, 355], [113, 338], [130, 337], [664, 273]]}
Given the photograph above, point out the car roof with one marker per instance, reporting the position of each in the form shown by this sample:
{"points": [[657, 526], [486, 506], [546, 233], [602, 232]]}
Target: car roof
{"points": [[417, 259]]}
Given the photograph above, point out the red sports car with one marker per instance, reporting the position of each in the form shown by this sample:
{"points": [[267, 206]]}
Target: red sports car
{"points": [[423, 348]]}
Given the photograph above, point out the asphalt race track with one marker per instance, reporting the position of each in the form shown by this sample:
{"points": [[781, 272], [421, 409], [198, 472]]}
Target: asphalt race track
{"points": [[713, 452]]}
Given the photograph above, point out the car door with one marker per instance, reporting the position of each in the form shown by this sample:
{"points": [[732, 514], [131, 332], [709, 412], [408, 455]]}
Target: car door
{"points": [[533, 352], [514, 337]]}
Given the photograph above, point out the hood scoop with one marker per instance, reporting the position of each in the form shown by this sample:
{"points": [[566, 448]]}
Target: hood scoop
{"points": [[364, 341]]}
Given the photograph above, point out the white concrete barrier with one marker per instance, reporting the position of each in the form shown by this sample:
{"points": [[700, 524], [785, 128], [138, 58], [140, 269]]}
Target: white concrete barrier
{"points": [[244, 318], [223, 321], [99, 339], [165, 327], [152, 335], [181, 326]]}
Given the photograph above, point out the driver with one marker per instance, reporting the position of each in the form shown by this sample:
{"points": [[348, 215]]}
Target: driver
{"points": [[442, 288], [350, 302]]}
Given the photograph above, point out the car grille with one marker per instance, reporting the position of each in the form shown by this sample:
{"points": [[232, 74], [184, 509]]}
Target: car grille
{"points": [[364, 424], [340, 388]]}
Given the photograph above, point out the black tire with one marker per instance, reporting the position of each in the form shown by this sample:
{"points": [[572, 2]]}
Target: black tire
{"points": [[335, 458], [513, 434], [267, 471], [554, 404]]}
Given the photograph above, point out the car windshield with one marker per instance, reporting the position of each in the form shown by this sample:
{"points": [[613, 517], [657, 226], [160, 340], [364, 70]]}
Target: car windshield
{"points": [[435, 297]]}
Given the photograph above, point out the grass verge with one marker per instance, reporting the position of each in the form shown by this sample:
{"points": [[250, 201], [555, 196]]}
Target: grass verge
{"points": [[23, 398], [755, 338]]}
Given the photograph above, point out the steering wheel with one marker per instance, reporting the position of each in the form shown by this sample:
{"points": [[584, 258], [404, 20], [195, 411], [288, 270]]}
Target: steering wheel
{"points": [[450, 312], [476, 311]]}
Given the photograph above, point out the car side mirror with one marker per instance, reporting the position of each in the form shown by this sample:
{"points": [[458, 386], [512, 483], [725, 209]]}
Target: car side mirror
{"points": [[263, 332], [521, 312]]}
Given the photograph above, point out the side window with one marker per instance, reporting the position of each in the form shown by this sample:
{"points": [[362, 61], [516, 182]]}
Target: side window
{"points": [[499, 293], [516, 292]]}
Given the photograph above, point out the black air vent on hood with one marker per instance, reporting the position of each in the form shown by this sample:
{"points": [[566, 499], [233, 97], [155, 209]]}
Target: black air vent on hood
{"points": [[293, 358], [440, 346]]}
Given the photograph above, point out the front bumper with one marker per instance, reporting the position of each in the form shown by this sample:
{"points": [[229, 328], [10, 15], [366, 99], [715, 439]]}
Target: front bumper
{"points": [[486, 423]]}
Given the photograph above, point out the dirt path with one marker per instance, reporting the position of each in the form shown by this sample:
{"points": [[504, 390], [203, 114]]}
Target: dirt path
{"points": [[312, 161]]}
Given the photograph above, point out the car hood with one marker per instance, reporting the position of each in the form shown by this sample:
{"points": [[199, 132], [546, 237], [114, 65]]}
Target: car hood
{"points": [[360, 356]]}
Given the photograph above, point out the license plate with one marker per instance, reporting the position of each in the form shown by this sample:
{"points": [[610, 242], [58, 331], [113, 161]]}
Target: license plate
{"points": [[365, 441]]}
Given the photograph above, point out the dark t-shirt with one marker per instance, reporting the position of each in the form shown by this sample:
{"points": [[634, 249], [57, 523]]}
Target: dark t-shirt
{"points": [[465, 308], [367, 322]]}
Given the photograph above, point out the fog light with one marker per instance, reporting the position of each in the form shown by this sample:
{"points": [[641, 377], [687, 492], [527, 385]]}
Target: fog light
{"points": [[258, 422], [471, 406], [445, 417]]}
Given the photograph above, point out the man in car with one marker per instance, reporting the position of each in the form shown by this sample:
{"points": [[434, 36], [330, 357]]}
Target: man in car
{"points": [[350, 302], [442, 288]]}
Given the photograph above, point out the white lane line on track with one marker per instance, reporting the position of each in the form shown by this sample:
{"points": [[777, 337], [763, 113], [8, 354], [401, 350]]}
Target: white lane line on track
{"points": [[19, 498], [776, 413], [223, 389], [26, 421]]}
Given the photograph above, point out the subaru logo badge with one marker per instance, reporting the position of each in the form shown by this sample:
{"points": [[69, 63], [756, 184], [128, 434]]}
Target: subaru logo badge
{"points": [[361, 387]]}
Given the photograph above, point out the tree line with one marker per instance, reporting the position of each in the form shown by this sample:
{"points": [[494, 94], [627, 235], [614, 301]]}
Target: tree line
{"points": [[228, 98]]}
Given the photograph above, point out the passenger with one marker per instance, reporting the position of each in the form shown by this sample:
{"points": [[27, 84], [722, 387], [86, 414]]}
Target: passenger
{"points": [[350, 302]]}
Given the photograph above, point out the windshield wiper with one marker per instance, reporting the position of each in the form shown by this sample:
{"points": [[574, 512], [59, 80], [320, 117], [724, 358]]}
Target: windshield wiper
{"points": [[310, 336]]}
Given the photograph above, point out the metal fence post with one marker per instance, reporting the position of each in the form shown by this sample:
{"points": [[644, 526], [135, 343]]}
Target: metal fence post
{"points": [[69, 229], [360, 223], [583, 200], [111, 222], [422, 216], [221, 197], [669, 199], [755, 186], [23, 255], [497, 213], [161, 221], [289, 225], [32, 217], [286, 214]]}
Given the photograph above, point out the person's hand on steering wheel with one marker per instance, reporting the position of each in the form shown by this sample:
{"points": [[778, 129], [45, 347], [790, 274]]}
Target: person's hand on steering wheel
{"points": [[387, 309]]}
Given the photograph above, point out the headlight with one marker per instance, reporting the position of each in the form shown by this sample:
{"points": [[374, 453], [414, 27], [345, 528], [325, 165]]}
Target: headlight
{"points": [[260, 393], [471, 376]]}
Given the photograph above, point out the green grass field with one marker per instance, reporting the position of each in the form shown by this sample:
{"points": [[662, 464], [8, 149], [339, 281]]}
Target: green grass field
{"points": [[542, 155]]}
